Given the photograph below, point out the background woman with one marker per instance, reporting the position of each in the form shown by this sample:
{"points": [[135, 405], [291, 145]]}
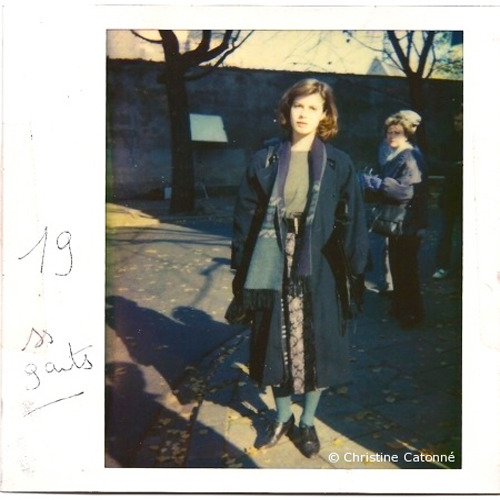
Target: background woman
{"points": [[284, 255], [380, 243], [402, 181]]}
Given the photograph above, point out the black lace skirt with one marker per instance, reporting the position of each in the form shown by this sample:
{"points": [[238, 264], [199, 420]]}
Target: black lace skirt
{"points": [[297, 330]]}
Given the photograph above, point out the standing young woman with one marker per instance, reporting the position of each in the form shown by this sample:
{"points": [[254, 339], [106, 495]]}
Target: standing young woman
{"points": [[283, 251]]}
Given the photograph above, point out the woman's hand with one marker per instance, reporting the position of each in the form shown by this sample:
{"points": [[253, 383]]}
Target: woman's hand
{"points": [[371, 182]]}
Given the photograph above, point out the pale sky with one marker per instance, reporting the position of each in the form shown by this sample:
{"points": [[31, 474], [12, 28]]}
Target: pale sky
{"points": [[321, 51]]}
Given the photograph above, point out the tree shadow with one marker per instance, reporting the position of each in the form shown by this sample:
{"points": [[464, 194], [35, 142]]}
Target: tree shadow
{"points": [[174, 347], [141, 433], [168, 344], [125, 427]]}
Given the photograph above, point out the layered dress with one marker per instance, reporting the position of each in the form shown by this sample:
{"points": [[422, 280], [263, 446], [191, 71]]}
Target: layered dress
{"points": [[285, 267]]}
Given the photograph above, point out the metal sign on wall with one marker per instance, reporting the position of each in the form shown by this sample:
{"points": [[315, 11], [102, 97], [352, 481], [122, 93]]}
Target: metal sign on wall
{"points": [[207, 128]]}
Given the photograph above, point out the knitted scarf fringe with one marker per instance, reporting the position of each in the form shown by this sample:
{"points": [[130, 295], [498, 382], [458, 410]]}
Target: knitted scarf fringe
{"points": [[254, 300]]}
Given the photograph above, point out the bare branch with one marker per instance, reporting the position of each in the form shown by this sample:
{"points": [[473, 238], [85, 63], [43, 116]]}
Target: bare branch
{"points": [[409, 37], [203, 52], [399, 52], [221, 48], [363, 44], [393, 60], [204, 45], [425, 52], [433, 62], [138, 35], [235, 46], [206, 70]]}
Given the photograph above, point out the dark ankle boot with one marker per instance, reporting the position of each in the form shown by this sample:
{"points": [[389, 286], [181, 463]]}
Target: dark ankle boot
{"points": [[308, 441], [276, 431]]}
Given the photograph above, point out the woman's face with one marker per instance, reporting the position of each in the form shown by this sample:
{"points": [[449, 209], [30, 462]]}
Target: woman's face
{"points": [[305, 115], [395, 136]]}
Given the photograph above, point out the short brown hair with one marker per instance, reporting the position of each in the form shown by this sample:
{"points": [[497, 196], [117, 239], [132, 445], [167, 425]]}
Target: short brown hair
{"points": [[328, 126], [409, 128]]}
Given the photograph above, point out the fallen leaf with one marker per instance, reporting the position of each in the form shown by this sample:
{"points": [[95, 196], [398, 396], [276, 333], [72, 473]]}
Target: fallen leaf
{"points": [[361, 415], [395, 445]]}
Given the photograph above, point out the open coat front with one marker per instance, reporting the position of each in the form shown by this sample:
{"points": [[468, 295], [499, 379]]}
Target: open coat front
{"points": [[330, 345]]}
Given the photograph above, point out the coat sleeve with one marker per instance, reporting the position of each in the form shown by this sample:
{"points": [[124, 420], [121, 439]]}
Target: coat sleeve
{"points": [[356, 232], [402, 188], [246, 207]]}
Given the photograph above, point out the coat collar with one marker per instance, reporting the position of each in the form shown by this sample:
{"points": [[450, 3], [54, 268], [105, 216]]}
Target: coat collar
{"points": [[267, 175]]}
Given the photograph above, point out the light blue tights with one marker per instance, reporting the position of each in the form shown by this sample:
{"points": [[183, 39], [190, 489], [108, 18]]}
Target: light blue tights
{"points": [[284, 407]]}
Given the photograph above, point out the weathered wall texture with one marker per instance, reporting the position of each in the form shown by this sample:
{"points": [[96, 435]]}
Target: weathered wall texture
{"points": [[138, 129]]}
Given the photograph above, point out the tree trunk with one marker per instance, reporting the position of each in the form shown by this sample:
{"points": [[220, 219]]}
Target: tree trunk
{"points": [[416, 85], [183, 193]]}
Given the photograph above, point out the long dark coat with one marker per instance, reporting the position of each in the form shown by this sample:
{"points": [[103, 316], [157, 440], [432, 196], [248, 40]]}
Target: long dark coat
{"points": [[330, 345]]}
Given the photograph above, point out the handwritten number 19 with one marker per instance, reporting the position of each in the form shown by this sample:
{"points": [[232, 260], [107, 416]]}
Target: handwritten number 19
{"points": [[63, 242]]}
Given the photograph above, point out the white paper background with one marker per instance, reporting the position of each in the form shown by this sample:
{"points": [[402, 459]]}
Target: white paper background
{"points": [[54, 173]]}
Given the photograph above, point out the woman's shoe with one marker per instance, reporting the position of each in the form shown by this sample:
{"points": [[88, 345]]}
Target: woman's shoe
{"points": [[308, 441], [276, 431]]}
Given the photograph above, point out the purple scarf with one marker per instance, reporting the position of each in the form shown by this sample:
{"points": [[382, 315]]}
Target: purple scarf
{"points": [[265, 274]]}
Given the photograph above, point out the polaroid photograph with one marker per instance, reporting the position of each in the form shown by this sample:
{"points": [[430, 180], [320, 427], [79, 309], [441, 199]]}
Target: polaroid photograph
{"points": [[250, 260]]}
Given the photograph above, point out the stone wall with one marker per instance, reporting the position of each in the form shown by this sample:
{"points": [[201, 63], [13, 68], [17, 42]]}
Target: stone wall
{"points": [[138, 128]]}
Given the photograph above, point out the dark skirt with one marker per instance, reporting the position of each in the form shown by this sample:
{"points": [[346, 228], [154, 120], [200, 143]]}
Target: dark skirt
{"points": [[296, 331]]}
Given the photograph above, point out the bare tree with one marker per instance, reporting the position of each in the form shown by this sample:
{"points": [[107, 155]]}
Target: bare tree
{"points": [[416, 59], [182, 64], [414, 54], [417, 63]]}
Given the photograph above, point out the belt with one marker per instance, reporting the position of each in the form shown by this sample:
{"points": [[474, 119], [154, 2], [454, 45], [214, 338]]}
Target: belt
{"points": [[294, 223]]}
